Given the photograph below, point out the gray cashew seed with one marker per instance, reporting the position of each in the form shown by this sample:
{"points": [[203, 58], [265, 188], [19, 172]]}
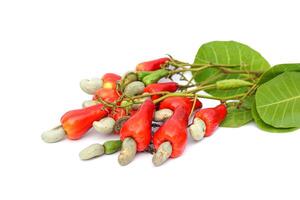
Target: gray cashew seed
{"points": [[128, 151], [162, 115], [89, 103], [197, 129], [54, 135], [162, 154], [134, 88], [91, 151], [105, 125], [90, 86]]}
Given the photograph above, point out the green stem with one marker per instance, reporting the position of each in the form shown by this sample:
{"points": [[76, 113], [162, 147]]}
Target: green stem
{"points": [[183, 77], [221, 68], [186, 86], [105, 103], [235, 97], [252, 89], [194, 90], [177, 94], [176, 63], [186, 70], [150, 94], [113, 105], [194, 104], [212, 78], [231, 71], [199, 88]]}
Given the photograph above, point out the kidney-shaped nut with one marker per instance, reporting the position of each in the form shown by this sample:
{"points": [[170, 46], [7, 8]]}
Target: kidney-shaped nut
{"points": [[162, 154], [89, 103], [128, 151], [91, 151], [128, 78], [54, 135], [197, 129], [162, 115], [90, 86], [134, 88], [105, 125]]}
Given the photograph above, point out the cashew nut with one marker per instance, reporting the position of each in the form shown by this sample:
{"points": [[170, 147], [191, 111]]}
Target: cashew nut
{"points": [[91, 151], [89, 103], [162, 115], [134, 88], [54, 135], [105, 125], [90, 86], [128, 151], [197, 129], [162, 154]]}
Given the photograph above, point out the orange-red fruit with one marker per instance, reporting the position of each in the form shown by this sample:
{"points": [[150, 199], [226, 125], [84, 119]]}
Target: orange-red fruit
{"points": [[118, 113], [110, 80], [160, 87], [106, 94], [77, 122], [174, 129], [174, 102], [138, 126], [152, 65], [212, 117]]}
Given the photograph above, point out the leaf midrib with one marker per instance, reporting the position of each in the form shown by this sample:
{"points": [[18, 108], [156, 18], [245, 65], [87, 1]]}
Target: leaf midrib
{"points": [[278, 102]]}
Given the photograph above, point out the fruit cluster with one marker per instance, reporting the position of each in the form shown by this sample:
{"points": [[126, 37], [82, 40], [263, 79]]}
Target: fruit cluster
{"points": [[148, 109]]}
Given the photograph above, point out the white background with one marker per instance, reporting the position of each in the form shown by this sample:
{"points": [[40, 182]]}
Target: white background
{"points": [[46, 47]]}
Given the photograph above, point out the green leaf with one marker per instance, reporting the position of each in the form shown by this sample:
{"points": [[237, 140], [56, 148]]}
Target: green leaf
{"points": [[228, 53], [266, 127], [248, 102], [277, 70], [236, 117], [278, 100]]}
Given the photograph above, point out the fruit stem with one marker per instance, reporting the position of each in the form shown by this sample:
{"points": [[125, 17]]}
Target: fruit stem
{"points": [[235, 97]]}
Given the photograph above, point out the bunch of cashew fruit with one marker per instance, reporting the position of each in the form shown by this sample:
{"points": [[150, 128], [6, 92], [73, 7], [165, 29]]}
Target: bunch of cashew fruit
{"points": [[147, 108]]}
